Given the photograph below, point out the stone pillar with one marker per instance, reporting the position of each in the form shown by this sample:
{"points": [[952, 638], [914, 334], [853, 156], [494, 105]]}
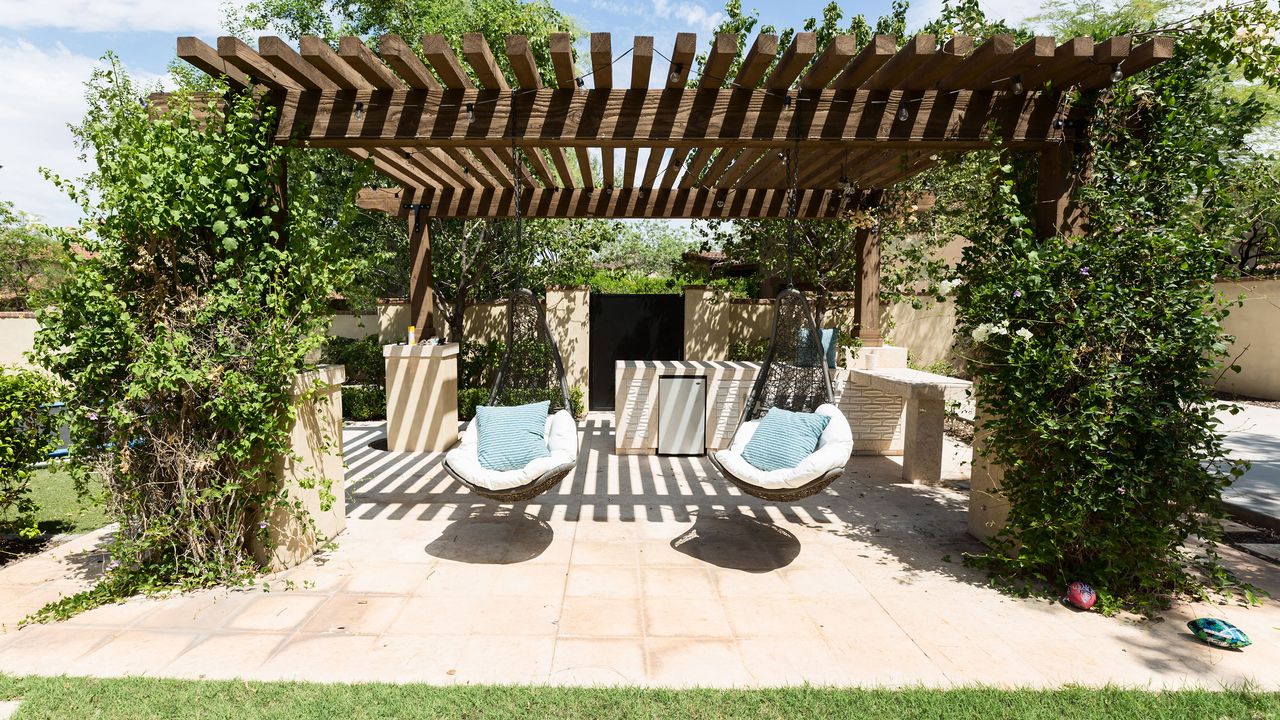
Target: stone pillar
{"points": [[316, 460], [422, 397], [922, 442], [569, 318], [988, 510]]}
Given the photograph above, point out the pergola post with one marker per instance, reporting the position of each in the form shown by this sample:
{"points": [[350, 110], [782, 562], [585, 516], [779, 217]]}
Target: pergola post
{"points": [[1055, 212], [421, 296], [867, 311]]}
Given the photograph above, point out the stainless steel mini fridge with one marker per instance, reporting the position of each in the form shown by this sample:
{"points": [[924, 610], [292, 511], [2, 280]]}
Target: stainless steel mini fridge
{"points": [[682, 415]]}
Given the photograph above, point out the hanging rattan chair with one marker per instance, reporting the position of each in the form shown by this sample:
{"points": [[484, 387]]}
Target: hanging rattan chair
{"points": [[531, 371], [794, 377]]}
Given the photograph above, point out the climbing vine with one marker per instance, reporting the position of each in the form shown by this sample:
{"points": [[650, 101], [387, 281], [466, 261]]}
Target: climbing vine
{"points": [[1097, 351], [203, 286]]}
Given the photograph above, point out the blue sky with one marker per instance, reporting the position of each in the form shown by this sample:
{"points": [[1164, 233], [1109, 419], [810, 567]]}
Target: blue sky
{"points": [[48, 48]]}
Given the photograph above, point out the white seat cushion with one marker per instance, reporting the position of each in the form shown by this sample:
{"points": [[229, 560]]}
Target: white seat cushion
{"points": [[835, 446], [562, 441]]}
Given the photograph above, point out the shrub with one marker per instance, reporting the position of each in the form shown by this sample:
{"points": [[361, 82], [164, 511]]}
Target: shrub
{"points": [[748, 350], [183, 329], [469, 398], [364, 402], [28, 432], [362, 358]]}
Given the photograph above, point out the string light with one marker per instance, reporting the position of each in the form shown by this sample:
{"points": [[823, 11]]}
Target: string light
{"points": [[359, 111], [1116, 75], [471, 112], [582, 82], [1017, 85], [675, 77], [903, 115]]}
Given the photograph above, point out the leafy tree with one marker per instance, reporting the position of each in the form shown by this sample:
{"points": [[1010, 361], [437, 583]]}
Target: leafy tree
{"points": [[31, 259], [1096, 353], [183, 329], [475, 260]]}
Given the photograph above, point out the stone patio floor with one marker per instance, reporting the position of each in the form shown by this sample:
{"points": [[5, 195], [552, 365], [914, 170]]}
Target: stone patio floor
{"points": [[636, 570]]}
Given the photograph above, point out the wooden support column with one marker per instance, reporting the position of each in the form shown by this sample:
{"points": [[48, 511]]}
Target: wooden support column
{"points": [[867, 311], [421, 296], [1055, 212]]}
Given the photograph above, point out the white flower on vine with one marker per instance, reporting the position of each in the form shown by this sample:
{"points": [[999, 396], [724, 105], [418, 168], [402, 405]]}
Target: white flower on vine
{"points": [[946, 287], [1023, 333], [984, 331]]}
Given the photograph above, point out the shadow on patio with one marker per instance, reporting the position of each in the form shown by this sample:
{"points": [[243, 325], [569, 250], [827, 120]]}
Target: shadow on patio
{"points": [[917, 526]]}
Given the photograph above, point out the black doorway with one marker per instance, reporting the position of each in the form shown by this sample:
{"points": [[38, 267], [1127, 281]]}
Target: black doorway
{"points": [[631, 327]]}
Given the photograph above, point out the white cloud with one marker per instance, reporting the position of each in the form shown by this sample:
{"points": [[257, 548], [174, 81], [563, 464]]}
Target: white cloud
{"points": [[43, 92], [694, 15], [200, 17]]}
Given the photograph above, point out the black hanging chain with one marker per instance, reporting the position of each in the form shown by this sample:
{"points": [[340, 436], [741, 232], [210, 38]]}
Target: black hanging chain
{"points": [[793, 182]]}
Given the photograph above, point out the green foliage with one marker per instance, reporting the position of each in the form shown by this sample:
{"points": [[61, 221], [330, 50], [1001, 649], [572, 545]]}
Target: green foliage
{"points": [[748, 349], [364, 402], [629, 283], [478, 363], [469, 398], [28, 432], [183, 331], [31, 259], [1096, 355], [362, 358]]}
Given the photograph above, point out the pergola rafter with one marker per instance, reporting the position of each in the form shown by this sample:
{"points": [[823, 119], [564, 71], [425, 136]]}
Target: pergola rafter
{"points": [[441, 122]]}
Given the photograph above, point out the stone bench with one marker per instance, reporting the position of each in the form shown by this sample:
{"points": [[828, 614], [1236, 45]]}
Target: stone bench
{"points": [[925, 395]]}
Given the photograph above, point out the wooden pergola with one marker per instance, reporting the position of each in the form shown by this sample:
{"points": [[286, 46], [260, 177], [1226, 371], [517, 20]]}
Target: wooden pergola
{"points": [[859, 120]]}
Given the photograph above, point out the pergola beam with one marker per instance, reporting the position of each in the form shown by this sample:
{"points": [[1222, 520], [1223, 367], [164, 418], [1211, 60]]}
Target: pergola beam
{"points": [[618, 203], [632, 118]]}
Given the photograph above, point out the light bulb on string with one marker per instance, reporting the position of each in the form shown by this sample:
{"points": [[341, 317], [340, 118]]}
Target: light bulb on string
{"points": [[471, 112], [675, 78], [1116, 75], [1017, 85], [903, 115]]}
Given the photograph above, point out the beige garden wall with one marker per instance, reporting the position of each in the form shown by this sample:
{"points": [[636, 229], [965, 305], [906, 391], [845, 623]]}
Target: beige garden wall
{"points": [[17, 336], [1256, 327], [712, 321], [928, 333]]}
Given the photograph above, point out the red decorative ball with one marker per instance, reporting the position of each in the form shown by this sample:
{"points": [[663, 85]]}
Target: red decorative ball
{"points": [[1081, 595]]}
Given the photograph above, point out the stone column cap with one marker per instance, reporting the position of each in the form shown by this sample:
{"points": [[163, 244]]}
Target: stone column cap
{"points": [[420, 351]]}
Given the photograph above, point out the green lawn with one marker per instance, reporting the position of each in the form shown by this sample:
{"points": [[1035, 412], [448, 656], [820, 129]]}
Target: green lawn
{"points": [[138, 698], [60, 510]]}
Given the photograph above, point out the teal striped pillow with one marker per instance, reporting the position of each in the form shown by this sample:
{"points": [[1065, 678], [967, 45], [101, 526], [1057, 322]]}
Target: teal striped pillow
{"points": [[784, 438], [511, 437]]}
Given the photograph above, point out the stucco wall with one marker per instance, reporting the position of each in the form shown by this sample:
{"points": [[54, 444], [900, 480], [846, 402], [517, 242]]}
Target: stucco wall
{"points": [[927, 333], [712, 321], [17, 335], [1256, 326]]}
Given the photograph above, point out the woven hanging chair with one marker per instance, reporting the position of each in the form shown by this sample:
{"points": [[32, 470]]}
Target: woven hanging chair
{"points": [[531, 371], [794, 376]]}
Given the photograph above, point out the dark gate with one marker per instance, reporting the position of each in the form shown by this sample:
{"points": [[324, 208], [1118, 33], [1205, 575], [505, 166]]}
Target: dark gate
{"points": [[631, 327]]}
